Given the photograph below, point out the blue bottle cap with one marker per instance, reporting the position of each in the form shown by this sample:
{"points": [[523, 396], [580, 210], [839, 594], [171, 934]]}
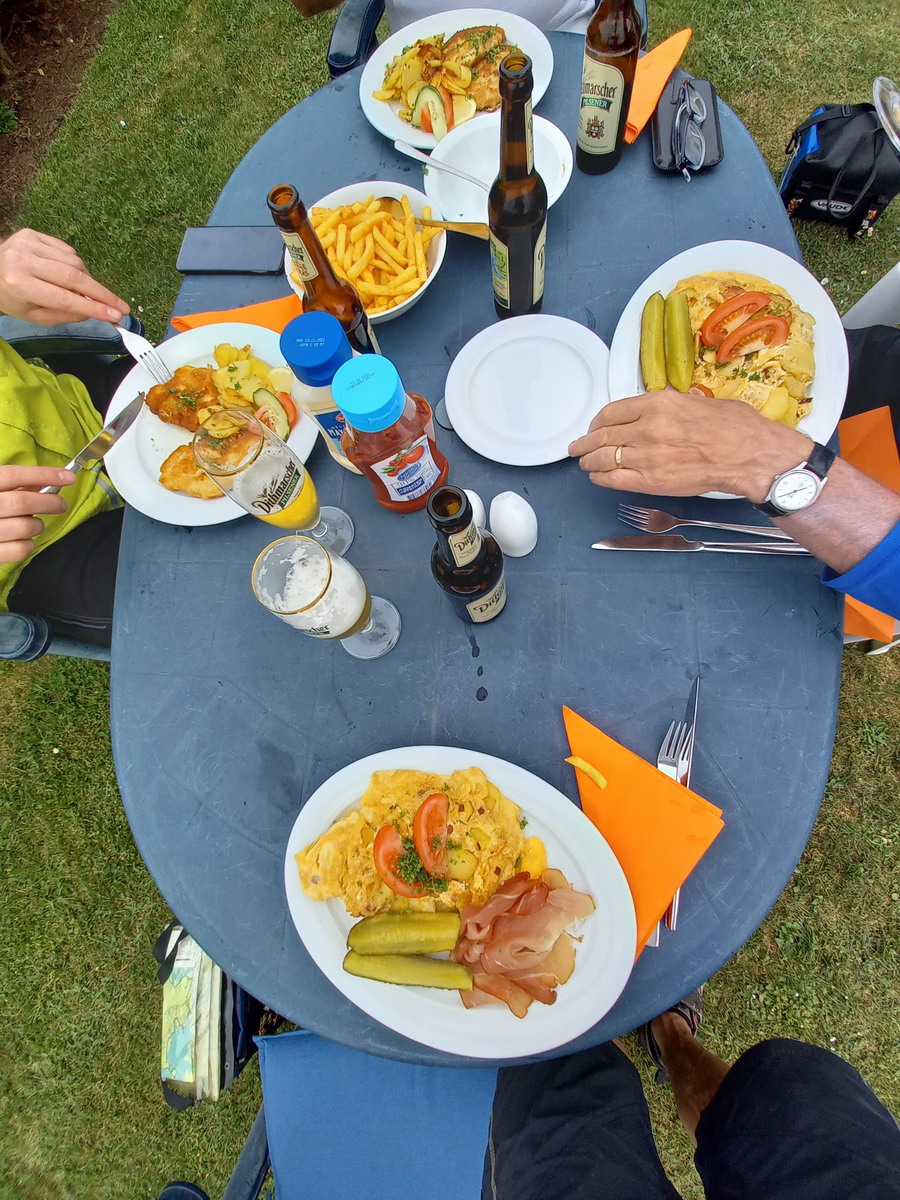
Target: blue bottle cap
{"points": [[369, 393], [314, 345]]}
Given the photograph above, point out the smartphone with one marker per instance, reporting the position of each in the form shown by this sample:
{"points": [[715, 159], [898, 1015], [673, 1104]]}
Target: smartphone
{"points": [[231, 250]]}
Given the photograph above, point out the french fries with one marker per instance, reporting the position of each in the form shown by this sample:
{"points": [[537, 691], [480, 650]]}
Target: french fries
{"points": [[383, 256]]}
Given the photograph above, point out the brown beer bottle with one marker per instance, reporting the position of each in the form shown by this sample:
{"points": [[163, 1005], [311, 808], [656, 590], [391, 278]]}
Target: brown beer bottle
{"points": [[324, 291], [517, 203], [610, 57], [466, 561]]}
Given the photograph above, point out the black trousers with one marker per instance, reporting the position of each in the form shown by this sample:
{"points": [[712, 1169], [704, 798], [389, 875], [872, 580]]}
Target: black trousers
{"points": [[789, 1122]]}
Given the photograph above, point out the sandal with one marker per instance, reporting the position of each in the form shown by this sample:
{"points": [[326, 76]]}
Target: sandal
{"points": [[691, 1009]]}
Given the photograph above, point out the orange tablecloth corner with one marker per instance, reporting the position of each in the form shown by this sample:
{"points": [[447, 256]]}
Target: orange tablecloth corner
{"points": [[270, 314], [657, 829], [651, 76]]}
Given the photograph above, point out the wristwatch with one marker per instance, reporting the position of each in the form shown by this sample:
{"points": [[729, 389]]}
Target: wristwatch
{"points": [[794, 490]]}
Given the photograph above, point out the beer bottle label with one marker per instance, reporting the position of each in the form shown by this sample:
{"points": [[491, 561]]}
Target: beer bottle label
{"points": [[300, 257], [409, 473], [529, 137], [540, 254], [602, 88], [465, 546], [490, 605], [500, 270]]}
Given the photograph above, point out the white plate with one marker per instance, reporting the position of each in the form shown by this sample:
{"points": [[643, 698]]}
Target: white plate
{"points": [[134, 462], [829, 385], [383, 115], [418, 201], [604, 957], [521, 390], [475, 148]]}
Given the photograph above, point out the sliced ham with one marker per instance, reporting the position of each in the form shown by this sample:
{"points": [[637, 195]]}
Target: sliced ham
{"points": [[517, 944]]}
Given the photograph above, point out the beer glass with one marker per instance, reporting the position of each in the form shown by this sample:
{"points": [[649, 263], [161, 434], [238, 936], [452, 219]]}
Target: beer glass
{"points": [[261, 473], [324, 596]]}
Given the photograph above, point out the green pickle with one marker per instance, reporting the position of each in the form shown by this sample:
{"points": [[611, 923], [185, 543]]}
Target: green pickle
{"points": [[679, 342], [409, 969], [405, 933], [653, 346]]}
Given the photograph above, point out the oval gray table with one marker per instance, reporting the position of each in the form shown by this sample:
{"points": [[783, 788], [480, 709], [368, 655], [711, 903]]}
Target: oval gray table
{"points": [[224, 720]]}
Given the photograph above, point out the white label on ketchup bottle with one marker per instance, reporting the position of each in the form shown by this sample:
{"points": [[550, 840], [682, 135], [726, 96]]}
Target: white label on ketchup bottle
{"points": [[409, 473]]}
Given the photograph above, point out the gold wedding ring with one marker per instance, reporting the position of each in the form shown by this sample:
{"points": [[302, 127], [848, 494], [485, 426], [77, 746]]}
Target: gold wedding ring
{"points": [[618, 456]]}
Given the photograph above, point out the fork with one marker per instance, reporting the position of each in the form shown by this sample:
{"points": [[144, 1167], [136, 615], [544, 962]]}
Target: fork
{"points": [[671, 759], [652, 520], [146, 354]]}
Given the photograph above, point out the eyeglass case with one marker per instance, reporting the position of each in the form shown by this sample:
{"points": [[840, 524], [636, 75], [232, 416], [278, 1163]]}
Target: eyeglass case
{"points": [[663, 120]]}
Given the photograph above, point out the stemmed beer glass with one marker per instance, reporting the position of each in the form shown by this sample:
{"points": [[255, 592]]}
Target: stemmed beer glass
{"points": [[261, 473]]}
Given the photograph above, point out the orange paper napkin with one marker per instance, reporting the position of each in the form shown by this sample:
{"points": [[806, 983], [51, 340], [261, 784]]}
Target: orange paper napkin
{"points": [[657, 829], [271, 314], [868, 443], [651, 76]]}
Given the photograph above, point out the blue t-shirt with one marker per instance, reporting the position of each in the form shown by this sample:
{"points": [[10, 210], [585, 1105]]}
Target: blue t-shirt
{"points": [[875, 579]]}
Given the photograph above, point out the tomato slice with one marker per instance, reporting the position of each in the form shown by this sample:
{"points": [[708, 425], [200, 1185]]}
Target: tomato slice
{"points": [[290, 408], [386, 849], [703, 390], [447, 98], [753, 336], [425, 118], [430, 833], [729, 316]]}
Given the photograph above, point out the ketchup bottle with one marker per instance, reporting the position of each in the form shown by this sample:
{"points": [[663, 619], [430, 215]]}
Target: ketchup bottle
{"points": [[389, 433]]}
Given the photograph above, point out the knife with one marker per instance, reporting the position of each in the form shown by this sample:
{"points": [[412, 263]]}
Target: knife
{"points": [[674, 541], [683, 776], [108, 436]]}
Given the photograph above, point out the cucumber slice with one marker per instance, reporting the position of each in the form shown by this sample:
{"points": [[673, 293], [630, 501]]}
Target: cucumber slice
{"points": [[429, 96], [271, 406], [410, 969], [405, 933]]}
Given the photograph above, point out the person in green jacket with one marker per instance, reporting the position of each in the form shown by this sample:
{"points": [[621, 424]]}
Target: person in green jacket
{"points": [[58, 553]]}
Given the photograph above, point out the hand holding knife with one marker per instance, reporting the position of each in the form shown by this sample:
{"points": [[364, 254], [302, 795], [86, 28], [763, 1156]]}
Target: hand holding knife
{"points": [[108, 436]]}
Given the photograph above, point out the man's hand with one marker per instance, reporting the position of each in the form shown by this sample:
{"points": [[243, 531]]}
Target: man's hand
{"points": [[43, 280], [670, 444], [20, 499]]}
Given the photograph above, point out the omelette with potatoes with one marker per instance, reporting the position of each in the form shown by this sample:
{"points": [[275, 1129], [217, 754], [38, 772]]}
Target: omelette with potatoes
{"points": [[752, 343], [420, 842]]}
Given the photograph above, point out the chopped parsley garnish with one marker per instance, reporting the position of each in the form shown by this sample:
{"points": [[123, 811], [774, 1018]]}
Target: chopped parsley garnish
{"points": [[523, 822], [453, 845], [409, 867], [231, 370], [755, 377]]}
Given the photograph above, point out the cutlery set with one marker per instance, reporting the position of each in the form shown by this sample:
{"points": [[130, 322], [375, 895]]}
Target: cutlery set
{"points": [[656, 523]]}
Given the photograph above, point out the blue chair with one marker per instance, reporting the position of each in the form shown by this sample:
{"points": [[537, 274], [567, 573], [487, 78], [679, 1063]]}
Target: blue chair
{"points": [[94, 352], [338, 1124], [353, 37]]}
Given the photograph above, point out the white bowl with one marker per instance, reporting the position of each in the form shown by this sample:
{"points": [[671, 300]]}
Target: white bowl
{"points": [[418, 201], [474, 147]]}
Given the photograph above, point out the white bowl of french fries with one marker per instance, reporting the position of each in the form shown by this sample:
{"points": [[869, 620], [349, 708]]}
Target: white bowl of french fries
{"points": [[389, 260]]}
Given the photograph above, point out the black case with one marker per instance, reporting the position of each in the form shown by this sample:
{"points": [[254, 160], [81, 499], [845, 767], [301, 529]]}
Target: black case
{"points": [[663, 120]]}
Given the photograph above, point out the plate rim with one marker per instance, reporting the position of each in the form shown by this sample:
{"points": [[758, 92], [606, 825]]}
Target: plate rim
{"points": [[503, 330], [122, 458], [620, 350], [554, 134], [393, 45], [542, 1035]]}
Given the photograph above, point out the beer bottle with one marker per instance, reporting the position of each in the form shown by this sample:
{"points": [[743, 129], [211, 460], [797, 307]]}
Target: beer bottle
{"points": [[466, 561], [610, 58], [517, 203], [323, 290]]}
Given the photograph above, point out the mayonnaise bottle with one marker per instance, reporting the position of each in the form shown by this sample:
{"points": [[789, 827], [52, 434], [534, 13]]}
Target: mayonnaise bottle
{"points": [[314, 345]]}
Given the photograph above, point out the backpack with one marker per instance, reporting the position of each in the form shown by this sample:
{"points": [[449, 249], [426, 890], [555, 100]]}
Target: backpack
{"points": [[842, 168]]}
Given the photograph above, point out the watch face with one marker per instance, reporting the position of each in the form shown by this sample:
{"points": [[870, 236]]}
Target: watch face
{"points": [[795, 490]]}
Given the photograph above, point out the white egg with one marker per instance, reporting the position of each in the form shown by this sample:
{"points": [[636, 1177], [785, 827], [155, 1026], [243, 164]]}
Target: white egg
{"points": [[477, 508], [514, 524]]}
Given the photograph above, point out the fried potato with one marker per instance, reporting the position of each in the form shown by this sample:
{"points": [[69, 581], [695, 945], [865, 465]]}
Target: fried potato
{"points": [[180, 473], [177, 402]]}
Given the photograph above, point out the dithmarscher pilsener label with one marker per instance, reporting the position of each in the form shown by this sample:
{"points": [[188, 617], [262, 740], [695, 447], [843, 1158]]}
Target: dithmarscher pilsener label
{"points": [[602, 88], [304, 265], [489, 605], [500, 270]]}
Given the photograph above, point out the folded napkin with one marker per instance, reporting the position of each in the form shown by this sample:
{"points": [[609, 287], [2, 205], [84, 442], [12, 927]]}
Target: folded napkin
{"points": [[869, 444], [657, 829], [271, 314], [651, 76]]}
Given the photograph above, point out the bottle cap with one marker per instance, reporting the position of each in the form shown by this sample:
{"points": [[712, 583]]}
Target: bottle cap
{"points": [[314, 345], [369, 393]]}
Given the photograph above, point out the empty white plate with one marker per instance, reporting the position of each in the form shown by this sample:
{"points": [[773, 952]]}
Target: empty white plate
{"points": [[475, 148], [521, 390]]}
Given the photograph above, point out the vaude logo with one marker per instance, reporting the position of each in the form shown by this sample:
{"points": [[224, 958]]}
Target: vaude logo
{"points": [[837, 208]]}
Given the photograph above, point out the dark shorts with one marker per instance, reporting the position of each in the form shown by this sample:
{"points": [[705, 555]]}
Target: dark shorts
{"points": [[789, 1122]]}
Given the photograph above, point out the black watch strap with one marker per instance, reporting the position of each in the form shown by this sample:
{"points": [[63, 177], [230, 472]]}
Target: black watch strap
{"points": [[819, 462]]}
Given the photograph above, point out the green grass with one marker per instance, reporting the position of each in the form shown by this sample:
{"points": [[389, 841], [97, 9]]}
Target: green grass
{"points": [[81, 1115]]}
